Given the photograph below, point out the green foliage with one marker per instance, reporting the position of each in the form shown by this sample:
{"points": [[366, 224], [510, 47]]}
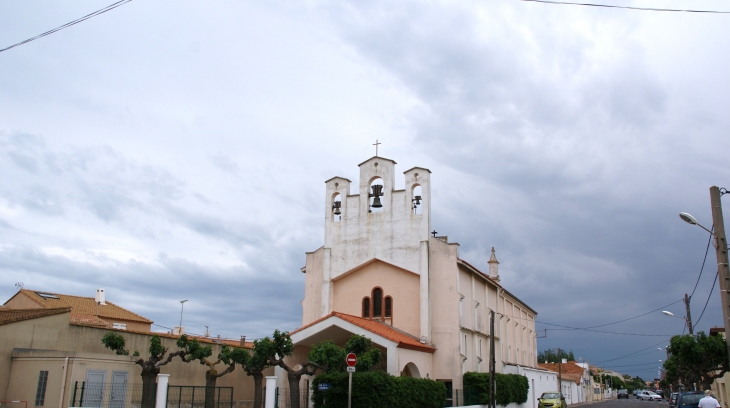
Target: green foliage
{"points": [[135, 354], [552, 355], [233, 355], [282, 344], [375, 389], [115, 342], [328, 355], [156, 348], [696, 359], [332, 357], [258, 360], [510, 388], [193, 350]]}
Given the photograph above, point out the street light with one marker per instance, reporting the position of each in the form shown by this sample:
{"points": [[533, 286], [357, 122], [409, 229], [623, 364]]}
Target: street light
{"points": [[687, 321], [182, 306], [721, 248]]}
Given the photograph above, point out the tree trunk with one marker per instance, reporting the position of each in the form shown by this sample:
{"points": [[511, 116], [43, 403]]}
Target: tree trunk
{"points": [[149, 387], [258, 379], [210, 389], [293, 389]]}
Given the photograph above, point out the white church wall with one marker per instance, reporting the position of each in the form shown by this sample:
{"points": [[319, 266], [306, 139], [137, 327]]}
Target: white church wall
{"points": [[312, 302], [423, 361]]}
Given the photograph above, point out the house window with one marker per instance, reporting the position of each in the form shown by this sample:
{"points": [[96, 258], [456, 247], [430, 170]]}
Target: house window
{"points": [[40, 394], [366, 307], [119, 326], [377, 302]]}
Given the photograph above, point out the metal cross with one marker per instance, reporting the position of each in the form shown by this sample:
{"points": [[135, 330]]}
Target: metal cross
{"points": [[434, 233], [376, 146]]}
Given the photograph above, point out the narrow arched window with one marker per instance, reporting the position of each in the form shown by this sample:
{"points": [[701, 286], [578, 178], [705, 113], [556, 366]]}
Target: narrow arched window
{"points": [[366, 307], [337, 208], [377, 302], [417, 200], [388, 306], [375, 194]]}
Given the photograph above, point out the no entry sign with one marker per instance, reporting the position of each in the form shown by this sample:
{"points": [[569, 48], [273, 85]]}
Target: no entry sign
{"points": [[351, 360]]}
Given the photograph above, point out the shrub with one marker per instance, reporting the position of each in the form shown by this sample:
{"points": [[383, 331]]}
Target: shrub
{"points": [[375, 389], [510, 388]]}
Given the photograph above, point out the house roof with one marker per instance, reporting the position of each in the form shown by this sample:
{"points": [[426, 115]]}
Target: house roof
{"points": [[403, 339], [82, 308], [8, 315], [569, 370]]}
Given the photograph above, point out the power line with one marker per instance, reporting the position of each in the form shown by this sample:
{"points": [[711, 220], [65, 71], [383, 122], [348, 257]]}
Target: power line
{"points": [[626, 7], [630, 354], [69, 24], [606, 332], [708, 298], [630, 365], [703, 261]]}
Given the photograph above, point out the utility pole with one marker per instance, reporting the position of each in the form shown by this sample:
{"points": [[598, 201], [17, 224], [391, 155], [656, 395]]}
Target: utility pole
{"points": [[560, 373], [492, 363], [689, 316], [722, 260]]}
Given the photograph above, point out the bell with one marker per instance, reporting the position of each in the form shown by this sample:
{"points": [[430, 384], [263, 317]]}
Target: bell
{"points": [[376, 203], [377, 192], [337, 211], [418, 200]]}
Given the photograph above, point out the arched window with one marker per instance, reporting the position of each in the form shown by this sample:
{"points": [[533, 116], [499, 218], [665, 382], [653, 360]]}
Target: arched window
{"points": [[366, 307], [377, 302], [388, 306]]}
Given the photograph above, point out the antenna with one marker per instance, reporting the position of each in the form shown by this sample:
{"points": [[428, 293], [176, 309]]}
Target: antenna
{"points": [[19, 285]]}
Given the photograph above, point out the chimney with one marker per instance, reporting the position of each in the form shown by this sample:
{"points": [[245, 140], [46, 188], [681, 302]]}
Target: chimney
{"points": [[565, 361], [493, 267], [243, 341], [178, 331], [100, 299]]}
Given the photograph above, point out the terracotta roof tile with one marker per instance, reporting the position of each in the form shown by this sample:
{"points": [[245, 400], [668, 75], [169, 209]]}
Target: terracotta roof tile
{"points": [[16, 315], [569, 370], [403, 339], [85, 306]]}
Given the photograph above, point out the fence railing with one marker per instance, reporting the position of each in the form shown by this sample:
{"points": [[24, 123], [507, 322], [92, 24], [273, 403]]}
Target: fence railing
{"points": [[110, 395], [283, 398], [107, 395], [458, 398]]}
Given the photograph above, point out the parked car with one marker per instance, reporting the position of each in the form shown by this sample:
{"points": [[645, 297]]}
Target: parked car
{"points": [[660, 392], [650, 396], [623, 394], [689, 399], [637, 393], [672, 399], [552, 400]]}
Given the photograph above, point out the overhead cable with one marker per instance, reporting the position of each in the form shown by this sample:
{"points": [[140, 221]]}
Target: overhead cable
{"points": [[708, 299], [69, 24], [606, 332], [627, 7], [703, 261], [630, 354]]}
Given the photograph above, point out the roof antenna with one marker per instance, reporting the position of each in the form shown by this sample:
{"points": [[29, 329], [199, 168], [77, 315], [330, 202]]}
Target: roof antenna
{"points": [[19, 286]]}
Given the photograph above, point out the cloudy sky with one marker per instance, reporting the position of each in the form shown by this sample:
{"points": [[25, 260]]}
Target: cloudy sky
{"points": [[175, 150]]}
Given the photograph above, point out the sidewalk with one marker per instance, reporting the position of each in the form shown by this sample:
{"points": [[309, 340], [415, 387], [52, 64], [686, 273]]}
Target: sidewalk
{"points": [[580, 404]]}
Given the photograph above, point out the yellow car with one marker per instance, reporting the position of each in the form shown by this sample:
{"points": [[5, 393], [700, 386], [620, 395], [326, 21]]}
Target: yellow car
{"points": [[551, 400]]}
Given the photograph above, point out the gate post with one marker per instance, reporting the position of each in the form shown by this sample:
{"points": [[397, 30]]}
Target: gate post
{"points": [[270, 391], [162, 381]]}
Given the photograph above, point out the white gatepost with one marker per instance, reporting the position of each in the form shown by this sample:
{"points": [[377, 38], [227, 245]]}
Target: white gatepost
{"points": [[270, 391], [162, 382]]}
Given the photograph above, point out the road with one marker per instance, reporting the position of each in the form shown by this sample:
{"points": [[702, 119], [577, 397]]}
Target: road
{"points": [[628, 403]]}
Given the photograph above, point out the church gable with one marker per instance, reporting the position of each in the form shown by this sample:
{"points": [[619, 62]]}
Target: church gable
{"points": [[380, 291]]}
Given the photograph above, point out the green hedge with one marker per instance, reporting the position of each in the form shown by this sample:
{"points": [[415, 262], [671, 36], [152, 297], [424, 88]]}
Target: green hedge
{"points": [[375, 389], [510, 388]]}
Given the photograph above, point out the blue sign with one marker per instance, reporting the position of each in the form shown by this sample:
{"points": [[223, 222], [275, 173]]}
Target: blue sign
{"points": [[323, 387]]}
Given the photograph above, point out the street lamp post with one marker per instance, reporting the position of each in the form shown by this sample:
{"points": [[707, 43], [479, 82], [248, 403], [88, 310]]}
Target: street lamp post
{"points": [[720, 251], [182, 306], [686, 320]]}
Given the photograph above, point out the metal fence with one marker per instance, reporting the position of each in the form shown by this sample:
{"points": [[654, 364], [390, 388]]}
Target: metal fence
{"points": [[101, 395], [194, 397], [459, 398], [283, 397], [111, 395]]}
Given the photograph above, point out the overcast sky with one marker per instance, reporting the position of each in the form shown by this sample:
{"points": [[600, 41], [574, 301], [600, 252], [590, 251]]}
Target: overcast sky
{"points": [[171, 150]]}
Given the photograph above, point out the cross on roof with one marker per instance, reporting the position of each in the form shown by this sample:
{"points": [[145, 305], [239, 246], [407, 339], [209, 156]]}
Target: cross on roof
{"points": [[376, 146]]}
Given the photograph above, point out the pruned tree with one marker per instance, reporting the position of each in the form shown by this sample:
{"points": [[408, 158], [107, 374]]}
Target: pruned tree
{"points": [[554, 355], [254, 366], [193, 350], [281, 346], [696, 359], [331, 357], [150, 367]]}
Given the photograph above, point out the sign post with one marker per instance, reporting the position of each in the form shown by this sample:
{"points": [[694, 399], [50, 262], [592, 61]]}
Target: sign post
{"points": [[351, 361]]}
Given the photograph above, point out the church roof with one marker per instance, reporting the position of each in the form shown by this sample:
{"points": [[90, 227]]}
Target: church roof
{"points": [[403, 339], [377, 157]]}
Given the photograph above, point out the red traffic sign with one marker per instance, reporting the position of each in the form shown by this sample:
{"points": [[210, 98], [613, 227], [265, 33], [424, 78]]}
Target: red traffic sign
{"points": [[351, 360]]}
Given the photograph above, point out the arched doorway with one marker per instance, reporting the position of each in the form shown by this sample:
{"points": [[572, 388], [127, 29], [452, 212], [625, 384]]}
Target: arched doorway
{"points": [[410, 370]]}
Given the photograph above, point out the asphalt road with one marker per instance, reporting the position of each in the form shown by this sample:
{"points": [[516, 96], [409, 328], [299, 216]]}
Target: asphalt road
{"points": [[632, 402]]}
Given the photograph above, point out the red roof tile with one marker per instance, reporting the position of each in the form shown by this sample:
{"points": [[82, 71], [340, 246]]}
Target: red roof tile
{"points": [[403, 339], [16, 315]]}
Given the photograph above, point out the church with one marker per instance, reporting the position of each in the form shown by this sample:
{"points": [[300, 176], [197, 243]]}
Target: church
{"points": [[384, 273]]}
